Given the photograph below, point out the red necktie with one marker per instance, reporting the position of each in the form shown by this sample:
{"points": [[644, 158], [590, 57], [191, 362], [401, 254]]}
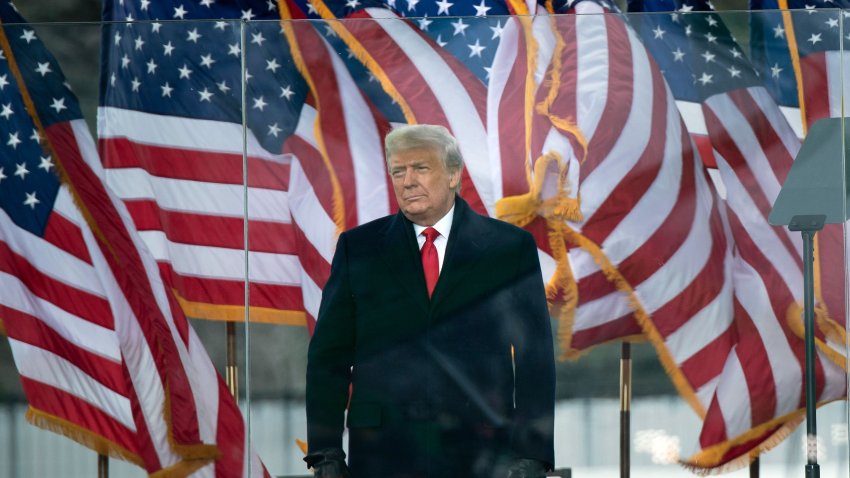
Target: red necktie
{"points": [[430, 261]]}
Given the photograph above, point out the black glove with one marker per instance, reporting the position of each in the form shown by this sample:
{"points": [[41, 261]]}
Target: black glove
{"points": [[527, 468], [328, 463]]}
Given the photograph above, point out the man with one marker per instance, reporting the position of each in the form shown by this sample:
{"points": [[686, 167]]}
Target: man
{"points": [[434, 320]]}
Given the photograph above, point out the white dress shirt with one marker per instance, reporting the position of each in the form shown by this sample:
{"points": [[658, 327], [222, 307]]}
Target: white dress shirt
{"points": [[443, 226]]}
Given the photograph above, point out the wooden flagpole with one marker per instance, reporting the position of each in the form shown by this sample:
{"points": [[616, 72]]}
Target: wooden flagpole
{"points": [[231, 370], [102, 466]]}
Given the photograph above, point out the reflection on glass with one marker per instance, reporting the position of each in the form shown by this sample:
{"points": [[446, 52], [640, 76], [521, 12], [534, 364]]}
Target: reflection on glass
{"points": [[642, 151]]}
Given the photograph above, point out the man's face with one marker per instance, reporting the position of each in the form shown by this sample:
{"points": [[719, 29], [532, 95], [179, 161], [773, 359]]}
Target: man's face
{"points": [[423, 187]]}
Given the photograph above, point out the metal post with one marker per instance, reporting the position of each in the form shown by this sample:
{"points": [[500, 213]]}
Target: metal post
{"points": [[231, 370], [754, 468], [625, 405], [14, 439], [812, 468], [102, 466], [808, 225]]}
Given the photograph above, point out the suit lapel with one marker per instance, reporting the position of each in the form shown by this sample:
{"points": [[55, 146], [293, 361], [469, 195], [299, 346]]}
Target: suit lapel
{"points": [[401, 253], [468, 240]]}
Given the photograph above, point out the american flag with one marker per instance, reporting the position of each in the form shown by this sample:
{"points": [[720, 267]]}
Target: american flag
{"points": [[645, 247], [173, 151], [105, 355], [758, 395], [443, 88], [801, 53], [171, 139], [554, 135]]}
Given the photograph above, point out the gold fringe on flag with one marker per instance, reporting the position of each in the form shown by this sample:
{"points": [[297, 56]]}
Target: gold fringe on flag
{"points": [[710, 460], [794, 52], [833, 332], [302, 445], [532, 49], [195, 451], [81, 435], [338, 201], [558, 209], [565, 125], [236, 313], [106, 447]]}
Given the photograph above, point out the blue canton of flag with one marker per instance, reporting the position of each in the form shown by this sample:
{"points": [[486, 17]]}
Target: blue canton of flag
{"points": [[365, 80], [817, 25], [163, 62], [28, 178], [695, 51], [472, 40]]}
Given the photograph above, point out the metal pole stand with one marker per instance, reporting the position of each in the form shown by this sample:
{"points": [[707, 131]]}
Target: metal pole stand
{"points": [[625, 407], [808, 225]]}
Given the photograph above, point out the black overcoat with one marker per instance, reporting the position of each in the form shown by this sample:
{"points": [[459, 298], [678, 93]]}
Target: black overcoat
{"points": [[435, 389]]}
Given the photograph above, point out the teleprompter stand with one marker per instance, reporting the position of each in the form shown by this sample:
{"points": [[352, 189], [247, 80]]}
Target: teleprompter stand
{"points": [[814, 194]]}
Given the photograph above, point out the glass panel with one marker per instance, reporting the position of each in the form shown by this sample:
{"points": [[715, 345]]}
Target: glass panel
{"points": [[642, 151], [739, 102], [277, 121]]}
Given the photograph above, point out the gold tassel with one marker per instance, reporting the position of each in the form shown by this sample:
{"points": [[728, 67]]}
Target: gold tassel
{"points": [[794, 319]]}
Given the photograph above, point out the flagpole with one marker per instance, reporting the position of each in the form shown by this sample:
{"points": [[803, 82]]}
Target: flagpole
{"points": [[102, 466], [231, 370], [625, 405], [754, 468]]}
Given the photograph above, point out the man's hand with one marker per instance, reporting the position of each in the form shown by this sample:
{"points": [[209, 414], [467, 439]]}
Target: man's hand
{"points": [[328, 463], [527, 468]]}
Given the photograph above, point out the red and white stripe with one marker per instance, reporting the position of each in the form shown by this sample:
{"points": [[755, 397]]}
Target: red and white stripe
{"points": [[315, 229], [825, 84], [506, 112], [762, 379], [351, 131], [645, 203], [96, 337], [347, 148], [437, 88], [187, 198], [825, 87], [219, 420], [507, 105]]}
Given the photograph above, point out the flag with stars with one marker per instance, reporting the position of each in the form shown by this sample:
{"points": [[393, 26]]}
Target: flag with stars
{"points": [[443, 90], [753, 397], [467, 39], [416, 76], [801, 53], [586, 138], [105, 355], [338, 178], [171, 139]]}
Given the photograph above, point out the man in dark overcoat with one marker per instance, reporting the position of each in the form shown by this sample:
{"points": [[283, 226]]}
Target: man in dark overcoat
{"points": [[433, 335]]}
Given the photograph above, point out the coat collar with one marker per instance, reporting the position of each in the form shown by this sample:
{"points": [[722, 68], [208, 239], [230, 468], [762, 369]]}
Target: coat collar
{"points": [[467, 240]]}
